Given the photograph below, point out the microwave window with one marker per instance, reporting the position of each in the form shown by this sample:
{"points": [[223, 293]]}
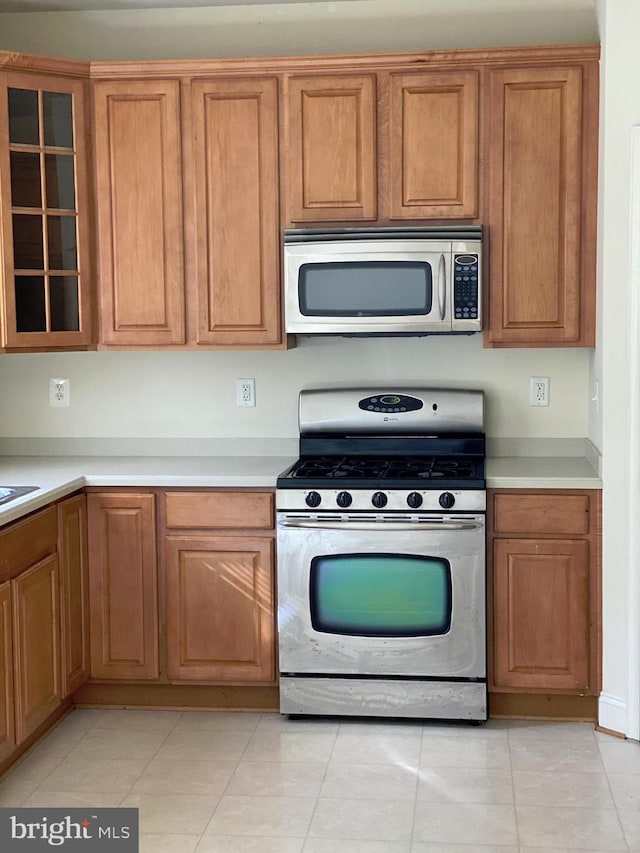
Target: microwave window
{"points": [[380, 595], [365, 289]]}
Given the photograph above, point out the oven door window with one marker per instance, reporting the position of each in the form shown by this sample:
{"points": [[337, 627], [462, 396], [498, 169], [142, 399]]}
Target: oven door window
{"points": [[365, 289], [380, 595]]}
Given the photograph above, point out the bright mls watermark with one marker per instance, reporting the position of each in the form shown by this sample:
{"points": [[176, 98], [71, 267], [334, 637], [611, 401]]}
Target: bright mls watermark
{"points": [[87, 830]]}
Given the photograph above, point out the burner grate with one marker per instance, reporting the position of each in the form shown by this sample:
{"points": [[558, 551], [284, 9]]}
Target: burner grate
{"points": [[374, 468]]}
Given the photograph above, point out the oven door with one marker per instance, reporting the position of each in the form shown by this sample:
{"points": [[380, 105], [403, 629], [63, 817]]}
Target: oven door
{"points": [[378, 596]]}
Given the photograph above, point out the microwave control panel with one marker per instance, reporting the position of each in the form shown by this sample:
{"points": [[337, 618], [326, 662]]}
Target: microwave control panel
{"points": [[465, 287]]}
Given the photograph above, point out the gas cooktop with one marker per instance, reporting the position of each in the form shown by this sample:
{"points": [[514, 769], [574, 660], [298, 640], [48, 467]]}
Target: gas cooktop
{"points": [[396, 471]]}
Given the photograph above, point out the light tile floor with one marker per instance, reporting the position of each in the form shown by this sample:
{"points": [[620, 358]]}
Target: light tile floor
{"points": [[208, 782]]}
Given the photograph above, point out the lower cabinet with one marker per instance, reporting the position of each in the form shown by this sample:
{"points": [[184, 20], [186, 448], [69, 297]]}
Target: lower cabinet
{"points": [[544, 624], [30, 679], [202, 609], [123, 586], [74, 593], [36, 628], [7, 724], [219, 586], [220, 622]]}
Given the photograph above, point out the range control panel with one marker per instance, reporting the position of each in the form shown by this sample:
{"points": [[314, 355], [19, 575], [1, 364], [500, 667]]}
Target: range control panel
{"points": [[390, 403], [466, 302]]}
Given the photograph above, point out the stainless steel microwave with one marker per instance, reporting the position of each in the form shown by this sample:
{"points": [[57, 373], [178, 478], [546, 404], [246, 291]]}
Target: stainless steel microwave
{"points": [[383, 281]]}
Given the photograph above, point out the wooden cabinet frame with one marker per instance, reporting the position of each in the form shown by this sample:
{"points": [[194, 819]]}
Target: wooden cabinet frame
{"points": [[71, 78], [560, 529], [219, 548]]}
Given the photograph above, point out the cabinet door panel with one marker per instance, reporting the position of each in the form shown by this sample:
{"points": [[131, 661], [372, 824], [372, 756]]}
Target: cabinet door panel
{"points": [[237, 211], [535, 197], [331, 148], [74, 593], [220, 615], [123, 586], [139, 208], [541, 614], [433, 145], [36, 627], [7, 727], [45, 223]]}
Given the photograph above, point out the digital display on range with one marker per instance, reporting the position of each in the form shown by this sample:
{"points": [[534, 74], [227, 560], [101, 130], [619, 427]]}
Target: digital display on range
{"points": [[390, 403]]}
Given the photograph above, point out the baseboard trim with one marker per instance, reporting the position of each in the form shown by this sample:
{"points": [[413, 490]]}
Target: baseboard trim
{"points": [[549, 706], [613, 714], [236, 698]]}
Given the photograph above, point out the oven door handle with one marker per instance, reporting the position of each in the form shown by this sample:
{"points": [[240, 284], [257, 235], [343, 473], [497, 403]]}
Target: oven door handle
{"points": [[332, 524]]}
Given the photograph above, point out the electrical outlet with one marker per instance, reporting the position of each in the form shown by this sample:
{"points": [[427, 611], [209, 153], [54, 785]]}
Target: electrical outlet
{"points": [[59, 392], [246, 392], [539, 391]]}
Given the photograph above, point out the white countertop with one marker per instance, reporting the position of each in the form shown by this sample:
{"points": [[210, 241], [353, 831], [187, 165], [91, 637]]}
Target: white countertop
{"points": [[541, 472], [58, 476]]}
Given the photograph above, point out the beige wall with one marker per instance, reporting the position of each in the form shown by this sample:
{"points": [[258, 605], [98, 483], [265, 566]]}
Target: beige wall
{"points": [[173, 394], [299, 28]]}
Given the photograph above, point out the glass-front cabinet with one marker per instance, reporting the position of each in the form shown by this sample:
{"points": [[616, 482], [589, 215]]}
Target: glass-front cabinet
{"points": [[43, 182]]}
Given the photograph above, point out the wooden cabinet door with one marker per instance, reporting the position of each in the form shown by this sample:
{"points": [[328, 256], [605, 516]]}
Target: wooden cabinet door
{"points": [[331, 156], [541, 614], [123, 586], [220, 613], [7, 727], [433, 145], [74, 593], [235, 150], [139, 212], [536, 146], [36, 645], [44, 232]]}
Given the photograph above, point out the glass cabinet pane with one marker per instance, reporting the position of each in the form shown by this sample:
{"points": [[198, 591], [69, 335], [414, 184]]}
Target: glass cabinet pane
{"points": [[57, 111], [61, 231], [23, 117], [59, 182], [63, 298], [44, 213], [31, 315], [28, 251], [25, 179]]}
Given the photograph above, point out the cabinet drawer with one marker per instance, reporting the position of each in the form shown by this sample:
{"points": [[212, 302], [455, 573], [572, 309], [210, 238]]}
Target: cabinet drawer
{"points": [[542, 513], [219, 509], [25, 542]]}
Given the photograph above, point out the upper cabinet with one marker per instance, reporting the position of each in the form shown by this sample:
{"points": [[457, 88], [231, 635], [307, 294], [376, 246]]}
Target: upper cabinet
{"points": [[541, 205], [381, 147], [45, 239], [331, 148], [237, 221], [197, 166], [139, 212], [187, 199], [432, 139]]}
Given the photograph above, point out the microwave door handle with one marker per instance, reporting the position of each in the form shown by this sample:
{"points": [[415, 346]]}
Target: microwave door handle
{"points": [[442, 287]]}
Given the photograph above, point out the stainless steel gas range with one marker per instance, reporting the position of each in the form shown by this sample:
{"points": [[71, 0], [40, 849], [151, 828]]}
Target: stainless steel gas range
{"points": [[381, 555]]}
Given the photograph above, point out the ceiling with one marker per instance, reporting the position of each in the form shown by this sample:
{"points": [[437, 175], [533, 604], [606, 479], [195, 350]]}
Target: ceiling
{"points": [[96, 5]]}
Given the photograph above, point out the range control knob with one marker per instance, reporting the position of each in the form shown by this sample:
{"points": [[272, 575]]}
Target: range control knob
{"points": [[379, 500], [446, 500], [414, 500], [344, 499], [312, 499]]}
